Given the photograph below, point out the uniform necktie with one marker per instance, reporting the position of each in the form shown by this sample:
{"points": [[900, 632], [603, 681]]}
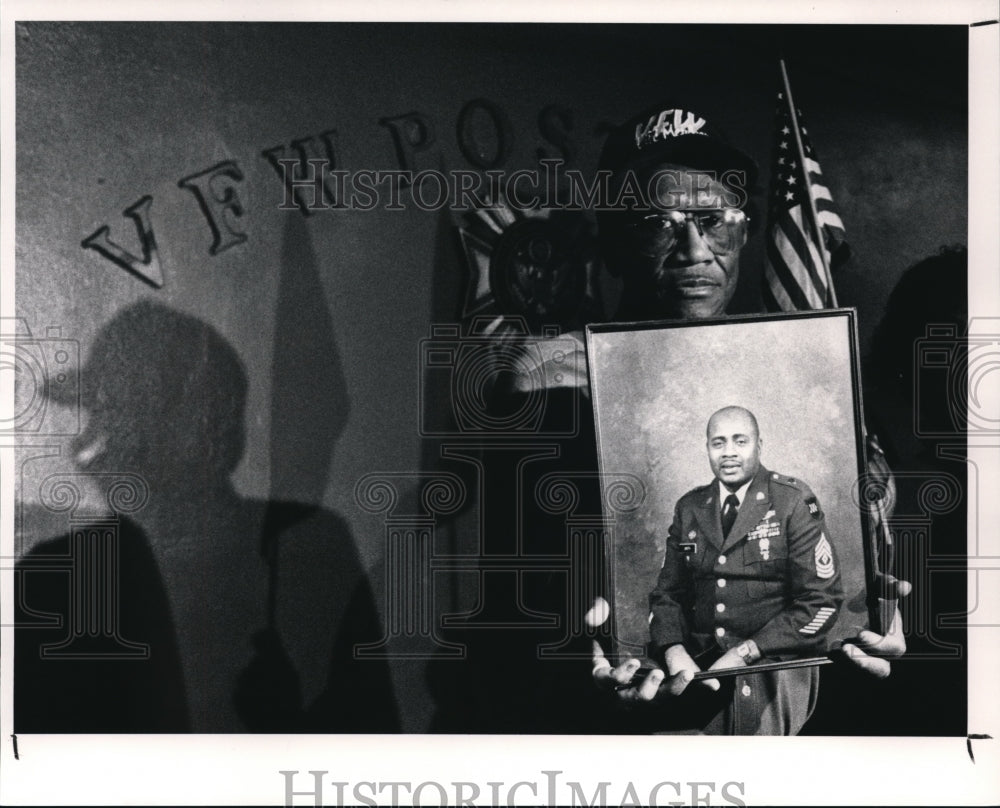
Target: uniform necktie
{"points": [[729, 514]]}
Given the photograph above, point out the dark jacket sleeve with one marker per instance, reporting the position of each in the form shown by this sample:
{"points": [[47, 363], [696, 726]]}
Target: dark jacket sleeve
{"points": [[670, 602]]}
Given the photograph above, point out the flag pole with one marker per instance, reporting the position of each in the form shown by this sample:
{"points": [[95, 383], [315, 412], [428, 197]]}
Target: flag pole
{"points": [[808, 188]]}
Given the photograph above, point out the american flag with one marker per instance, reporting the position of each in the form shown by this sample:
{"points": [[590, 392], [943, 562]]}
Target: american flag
{"points": [[795, 274]]}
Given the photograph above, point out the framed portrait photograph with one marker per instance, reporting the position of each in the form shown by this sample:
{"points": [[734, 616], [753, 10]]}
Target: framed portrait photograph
{"points": [[749, 537]]}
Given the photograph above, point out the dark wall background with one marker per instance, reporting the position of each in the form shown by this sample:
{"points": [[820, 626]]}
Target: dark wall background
{"points": [[327, 311]]}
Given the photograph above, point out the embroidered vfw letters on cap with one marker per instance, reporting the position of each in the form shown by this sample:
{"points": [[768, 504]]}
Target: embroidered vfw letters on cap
{"points": [[669, 123]]}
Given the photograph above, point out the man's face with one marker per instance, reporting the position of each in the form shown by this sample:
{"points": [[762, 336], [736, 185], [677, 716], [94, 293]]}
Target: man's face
{"points": [[733, 448], [688, 280]]}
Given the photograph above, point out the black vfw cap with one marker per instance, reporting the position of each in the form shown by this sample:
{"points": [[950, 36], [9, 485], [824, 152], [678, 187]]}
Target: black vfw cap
{"points": [[668, 133]]}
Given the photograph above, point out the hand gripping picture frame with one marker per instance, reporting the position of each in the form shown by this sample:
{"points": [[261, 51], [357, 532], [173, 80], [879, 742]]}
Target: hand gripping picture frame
{"points": [[766, 408]]}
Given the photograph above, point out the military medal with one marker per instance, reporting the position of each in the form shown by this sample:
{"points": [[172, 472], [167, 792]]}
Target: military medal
{"points": [[764, 545]]}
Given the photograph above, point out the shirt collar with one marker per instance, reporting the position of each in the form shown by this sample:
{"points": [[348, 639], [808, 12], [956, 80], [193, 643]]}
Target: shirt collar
{"points": [[740, 492]]}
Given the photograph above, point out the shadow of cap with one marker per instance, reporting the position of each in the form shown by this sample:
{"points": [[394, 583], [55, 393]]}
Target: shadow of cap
{"points": [[154, 372]]}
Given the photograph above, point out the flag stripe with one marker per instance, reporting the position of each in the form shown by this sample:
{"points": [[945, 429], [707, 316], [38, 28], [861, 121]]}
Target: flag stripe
{"points": [[783, 269], [776, 296], [812, 264], [828, 218], [780, 277], [794, 273], [806, 231], [823, 206], [821, 192], [793, 263]]}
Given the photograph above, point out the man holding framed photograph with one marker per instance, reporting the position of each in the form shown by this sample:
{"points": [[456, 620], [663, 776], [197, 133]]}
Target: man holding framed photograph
{"points": [[679, 258], [674, 235]]}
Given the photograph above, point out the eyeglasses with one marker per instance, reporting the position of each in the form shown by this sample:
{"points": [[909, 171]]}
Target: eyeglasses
{"points": [[724, 230]]}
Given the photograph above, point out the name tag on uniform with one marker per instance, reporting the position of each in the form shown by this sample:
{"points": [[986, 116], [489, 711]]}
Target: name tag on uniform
{"points": [[688, 547]]}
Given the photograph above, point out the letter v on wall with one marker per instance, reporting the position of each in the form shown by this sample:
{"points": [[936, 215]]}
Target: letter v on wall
{"points": [[148, 267]]}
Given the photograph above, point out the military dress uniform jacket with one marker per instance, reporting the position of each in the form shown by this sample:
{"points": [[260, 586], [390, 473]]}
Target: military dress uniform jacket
{"points": [[774, 580]]}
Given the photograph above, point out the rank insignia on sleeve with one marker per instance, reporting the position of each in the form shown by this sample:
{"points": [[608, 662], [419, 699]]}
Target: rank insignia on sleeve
{"points": [[813, 506], [824, 558], [818, 620]]}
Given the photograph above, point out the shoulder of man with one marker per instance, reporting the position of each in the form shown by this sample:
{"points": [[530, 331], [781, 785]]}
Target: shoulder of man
{"points": [[792, 490], [696, 496]]}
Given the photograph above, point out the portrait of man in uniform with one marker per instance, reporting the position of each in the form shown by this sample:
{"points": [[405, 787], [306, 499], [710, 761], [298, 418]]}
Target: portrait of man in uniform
{"points": [[748, 575], [748, 581]]}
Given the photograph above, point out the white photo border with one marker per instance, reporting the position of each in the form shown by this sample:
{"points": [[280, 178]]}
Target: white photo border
{"points": [[245, 769]]}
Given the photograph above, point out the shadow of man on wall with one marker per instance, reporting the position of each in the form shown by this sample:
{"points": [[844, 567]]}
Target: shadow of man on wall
{"points": [[917, 410], [251, 608]]}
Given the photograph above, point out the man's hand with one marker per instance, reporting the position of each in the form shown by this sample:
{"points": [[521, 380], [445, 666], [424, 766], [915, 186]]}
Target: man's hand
{"points": [[551, 363], [680, 664], [618, 679], [869, 650], [730, 659]]}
